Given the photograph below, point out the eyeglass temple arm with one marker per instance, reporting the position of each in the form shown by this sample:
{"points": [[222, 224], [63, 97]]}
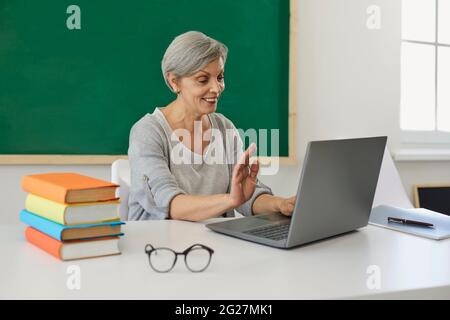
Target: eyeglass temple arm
{"points": [[149, 248]]}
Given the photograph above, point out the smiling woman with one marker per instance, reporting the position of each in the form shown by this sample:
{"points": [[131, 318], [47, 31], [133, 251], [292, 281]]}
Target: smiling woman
{"points": [[193, 68]]}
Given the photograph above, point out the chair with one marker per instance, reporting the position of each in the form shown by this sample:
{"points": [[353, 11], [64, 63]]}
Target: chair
{"points": [[120, 174], [390, 190]]}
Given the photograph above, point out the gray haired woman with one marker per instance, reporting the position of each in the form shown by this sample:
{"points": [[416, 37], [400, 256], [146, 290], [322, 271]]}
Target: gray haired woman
{"points": [[171, 150]]}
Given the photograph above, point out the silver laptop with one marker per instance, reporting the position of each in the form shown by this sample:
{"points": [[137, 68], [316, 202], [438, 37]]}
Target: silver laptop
{"points": [[335, 194]]}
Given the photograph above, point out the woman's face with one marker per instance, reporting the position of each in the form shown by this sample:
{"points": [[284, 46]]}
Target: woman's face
{"points": [[200, 92]]}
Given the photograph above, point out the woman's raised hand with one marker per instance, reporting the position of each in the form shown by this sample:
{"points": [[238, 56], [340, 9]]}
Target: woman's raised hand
{"points": [[243, 180]]}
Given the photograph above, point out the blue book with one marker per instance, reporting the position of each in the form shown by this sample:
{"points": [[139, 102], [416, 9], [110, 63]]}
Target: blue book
{"points": [[62, 233]]}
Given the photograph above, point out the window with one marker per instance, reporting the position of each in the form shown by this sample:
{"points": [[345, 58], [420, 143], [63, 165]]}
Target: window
{"points": [[425, 71]]}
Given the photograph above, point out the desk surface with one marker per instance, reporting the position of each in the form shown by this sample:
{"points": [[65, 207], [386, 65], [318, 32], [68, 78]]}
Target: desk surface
{"points": [[410, 267]]}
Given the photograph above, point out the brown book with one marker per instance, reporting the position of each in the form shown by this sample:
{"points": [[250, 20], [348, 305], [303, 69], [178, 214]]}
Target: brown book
{"points": [[90, 232], [67, 187]]}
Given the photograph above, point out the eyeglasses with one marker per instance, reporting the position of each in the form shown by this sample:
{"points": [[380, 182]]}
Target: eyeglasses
{"points": [[197, 257]]}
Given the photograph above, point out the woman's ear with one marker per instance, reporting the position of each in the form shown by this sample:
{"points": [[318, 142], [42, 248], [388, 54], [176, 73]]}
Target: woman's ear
{"points": [[173, 82]]}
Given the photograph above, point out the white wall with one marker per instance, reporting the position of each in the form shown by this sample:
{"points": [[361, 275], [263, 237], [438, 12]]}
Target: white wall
{"points": [[348, 75], [349, 79], [349, 86]]}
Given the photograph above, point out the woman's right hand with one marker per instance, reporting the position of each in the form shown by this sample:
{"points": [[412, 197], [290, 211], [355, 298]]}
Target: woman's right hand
{"points": [[243, 180]]}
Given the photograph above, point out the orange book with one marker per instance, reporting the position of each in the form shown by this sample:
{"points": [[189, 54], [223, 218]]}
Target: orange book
{"points": [[73, 249], [67, 187]]}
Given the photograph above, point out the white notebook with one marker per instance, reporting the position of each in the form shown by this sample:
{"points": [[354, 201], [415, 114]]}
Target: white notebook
{"points": [[440, 230]]}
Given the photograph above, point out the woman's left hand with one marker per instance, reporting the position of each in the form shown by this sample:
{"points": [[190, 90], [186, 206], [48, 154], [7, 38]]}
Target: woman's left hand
{"points": [[286, 206]]}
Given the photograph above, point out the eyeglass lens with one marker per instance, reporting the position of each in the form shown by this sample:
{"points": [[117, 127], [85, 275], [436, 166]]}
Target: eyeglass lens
{"points": [[162, 259], [197, 259]]}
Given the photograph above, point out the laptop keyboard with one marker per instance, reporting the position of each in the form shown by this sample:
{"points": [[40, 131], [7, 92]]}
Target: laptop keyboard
{"points": [[274, 232]]}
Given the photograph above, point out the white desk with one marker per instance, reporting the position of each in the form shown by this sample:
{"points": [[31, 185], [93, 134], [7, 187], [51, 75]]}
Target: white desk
{"points": [[411, 267]]}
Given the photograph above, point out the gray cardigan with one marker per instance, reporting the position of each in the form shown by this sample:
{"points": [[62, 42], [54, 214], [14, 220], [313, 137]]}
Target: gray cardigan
{"points": [[156, 178]]}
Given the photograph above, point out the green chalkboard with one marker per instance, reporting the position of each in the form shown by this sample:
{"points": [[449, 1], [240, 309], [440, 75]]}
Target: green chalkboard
{"points": [[78, 92]]}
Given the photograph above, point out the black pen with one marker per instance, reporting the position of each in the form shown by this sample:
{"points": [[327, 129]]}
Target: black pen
{"points": [[410, 222]]}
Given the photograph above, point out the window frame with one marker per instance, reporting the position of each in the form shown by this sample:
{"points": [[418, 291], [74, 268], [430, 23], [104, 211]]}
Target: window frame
{"points": [[428, 137]]}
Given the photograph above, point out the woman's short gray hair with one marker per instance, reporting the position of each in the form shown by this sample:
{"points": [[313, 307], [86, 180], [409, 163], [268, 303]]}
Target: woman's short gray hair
{"points": [[190, 52]]}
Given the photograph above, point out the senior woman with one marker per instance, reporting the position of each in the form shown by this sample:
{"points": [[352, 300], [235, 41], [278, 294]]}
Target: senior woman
{"points": [[166, 186]]}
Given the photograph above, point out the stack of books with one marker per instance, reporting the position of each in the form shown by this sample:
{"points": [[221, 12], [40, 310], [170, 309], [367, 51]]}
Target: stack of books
{"points": [[71, 216]]}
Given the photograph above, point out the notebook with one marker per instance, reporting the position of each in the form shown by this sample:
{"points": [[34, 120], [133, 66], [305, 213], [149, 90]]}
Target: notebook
{"points": [[441, 230]]}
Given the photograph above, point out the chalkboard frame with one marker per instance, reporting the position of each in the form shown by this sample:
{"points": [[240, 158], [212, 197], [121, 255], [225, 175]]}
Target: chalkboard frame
{"points": [[416, 188], [291, 159]]}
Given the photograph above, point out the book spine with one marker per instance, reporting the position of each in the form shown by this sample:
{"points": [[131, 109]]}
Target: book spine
{"points": [[45, 208], [44, 189], [48, 227], [44, 242]]}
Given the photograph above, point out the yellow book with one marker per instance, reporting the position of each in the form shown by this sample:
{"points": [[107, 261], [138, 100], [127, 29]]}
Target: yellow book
{"points": [[73, 214]]}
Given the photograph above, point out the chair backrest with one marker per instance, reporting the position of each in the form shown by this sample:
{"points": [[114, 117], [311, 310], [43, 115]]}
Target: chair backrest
{"points": [[390, 189], [120, 174]]}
